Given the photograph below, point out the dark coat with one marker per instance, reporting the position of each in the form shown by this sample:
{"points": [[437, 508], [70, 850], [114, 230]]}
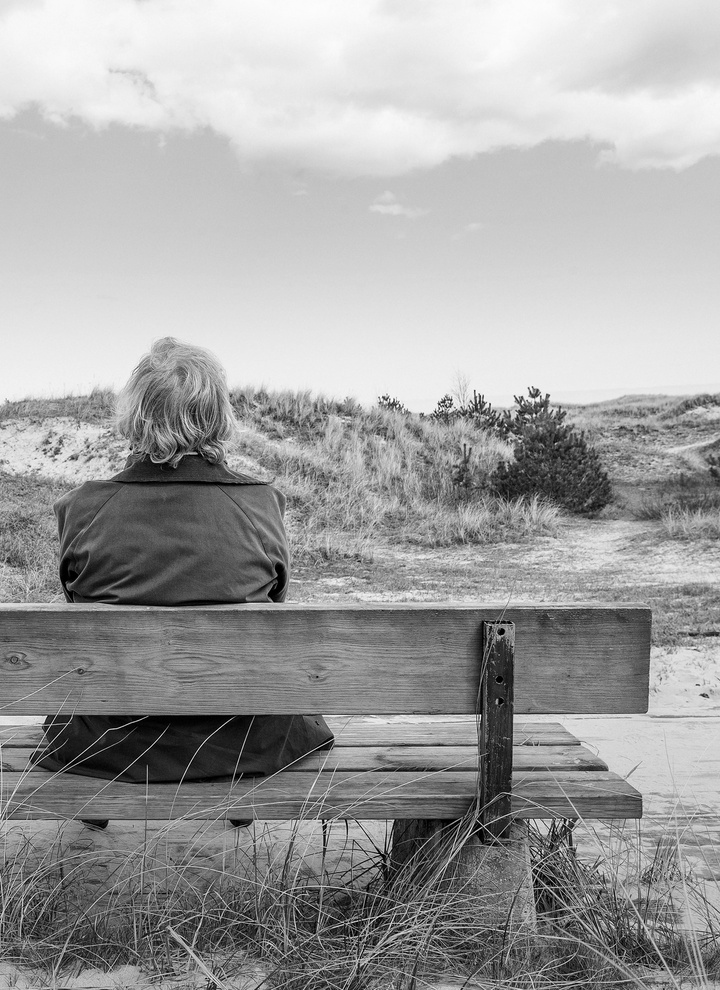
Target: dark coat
{"points": [[198, 534]]}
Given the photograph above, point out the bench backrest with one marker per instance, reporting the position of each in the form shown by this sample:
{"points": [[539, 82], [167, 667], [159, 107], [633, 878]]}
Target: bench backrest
{"points": [[375, 658]]}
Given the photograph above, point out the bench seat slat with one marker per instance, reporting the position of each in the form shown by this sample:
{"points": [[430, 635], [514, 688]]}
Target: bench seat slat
{"points": [[379, 795], [371, 730], [376, 758], [446, 730]]}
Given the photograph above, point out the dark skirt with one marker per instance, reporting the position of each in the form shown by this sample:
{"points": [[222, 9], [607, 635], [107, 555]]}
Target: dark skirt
{"points": [[155, 749]]}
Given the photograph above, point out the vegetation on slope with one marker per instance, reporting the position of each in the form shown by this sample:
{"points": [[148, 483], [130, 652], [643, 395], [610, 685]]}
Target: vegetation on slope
{"points": [[353, 476], [98, 407], [374, 495]]}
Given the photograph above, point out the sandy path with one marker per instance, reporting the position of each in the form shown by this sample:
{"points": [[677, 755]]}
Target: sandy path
{"points": [[631, 551]]}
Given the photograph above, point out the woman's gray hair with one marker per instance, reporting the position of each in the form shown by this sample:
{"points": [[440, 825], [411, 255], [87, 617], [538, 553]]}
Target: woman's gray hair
{"points": [[177, 403]]}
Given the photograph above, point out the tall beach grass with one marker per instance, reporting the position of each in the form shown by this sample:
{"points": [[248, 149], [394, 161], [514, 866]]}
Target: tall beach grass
{"points": [[682, 523], [318, 906], [355, 477]]}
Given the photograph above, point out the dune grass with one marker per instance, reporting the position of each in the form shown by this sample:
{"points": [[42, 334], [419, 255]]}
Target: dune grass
{"points": [[680, 493], [683, 523], [353, 476], [275, 916], [28, 538], [97, 407]]}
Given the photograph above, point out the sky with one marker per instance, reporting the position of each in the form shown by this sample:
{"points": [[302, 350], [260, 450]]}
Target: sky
{"points": [[360, 197]]}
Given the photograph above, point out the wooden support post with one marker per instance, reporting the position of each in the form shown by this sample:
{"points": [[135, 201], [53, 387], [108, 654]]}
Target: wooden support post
{"points": [[496, 730], [495, 741]]}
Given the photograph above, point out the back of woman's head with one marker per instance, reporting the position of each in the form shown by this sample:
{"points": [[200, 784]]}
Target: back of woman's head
{"points": [[175, 403]]}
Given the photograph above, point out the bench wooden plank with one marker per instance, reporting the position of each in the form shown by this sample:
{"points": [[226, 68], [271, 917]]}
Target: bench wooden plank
{"points": [[288, 658], [444, 730], [372, 730], [376, 758], [445, 795]]}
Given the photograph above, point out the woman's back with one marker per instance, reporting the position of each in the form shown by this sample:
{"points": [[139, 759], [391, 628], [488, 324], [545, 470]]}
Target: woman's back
{"points": [[176, 527], [192, 535]]}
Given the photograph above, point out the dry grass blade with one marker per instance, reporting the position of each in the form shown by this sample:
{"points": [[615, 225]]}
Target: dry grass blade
{"points": [[197, 960]]}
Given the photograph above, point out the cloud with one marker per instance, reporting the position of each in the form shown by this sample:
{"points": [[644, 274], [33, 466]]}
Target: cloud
{"points": [[377, 87], [387, 203], [468, 230]]}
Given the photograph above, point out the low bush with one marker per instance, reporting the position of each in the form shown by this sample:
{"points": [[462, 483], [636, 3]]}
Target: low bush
{"points": [[475, 410], [391, 404], [550, 458]]}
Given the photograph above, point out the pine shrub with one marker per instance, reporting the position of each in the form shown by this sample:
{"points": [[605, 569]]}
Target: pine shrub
{"points": [[551, 458], [476, 410], [392, 404], [468, 476], [445, 411], [481, 412]]}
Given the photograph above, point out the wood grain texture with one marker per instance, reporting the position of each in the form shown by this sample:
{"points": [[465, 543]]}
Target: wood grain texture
{"points": [[299, 658], [441, 730], [368, 759], [496, 729], [382, 731], [447, 796]]}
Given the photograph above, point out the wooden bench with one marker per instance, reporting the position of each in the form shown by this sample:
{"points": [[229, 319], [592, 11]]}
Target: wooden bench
{"points": [[399, 684]]}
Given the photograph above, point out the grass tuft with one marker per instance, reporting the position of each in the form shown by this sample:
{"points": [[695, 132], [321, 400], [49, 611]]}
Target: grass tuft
{"points": [[682, 523]]}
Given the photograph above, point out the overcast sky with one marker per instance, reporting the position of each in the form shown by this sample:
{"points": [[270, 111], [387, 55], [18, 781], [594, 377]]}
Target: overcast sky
{"points": [[358, 197]]}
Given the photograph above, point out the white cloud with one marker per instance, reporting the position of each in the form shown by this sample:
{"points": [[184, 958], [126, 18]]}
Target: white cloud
{"points": [[377, 87], [468, 230], [387, 203]]}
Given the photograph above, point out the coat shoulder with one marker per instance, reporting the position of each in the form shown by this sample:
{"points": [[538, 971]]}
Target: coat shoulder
{"points": [[257, 496], [80, 505]]}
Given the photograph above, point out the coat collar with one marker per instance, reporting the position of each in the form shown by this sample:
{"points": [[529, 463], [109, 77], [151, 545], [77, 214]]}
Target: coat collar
{"points": [[190, 470]]}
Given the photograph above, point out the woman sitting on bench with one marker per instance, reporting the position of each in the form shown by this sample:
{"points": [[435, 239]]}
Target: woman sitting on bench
{"points": [[175, 527]]}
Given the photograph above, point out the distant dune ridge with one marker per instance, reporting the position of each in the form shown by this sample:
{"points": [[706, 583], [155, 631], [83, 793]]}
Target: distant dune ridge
{"points": [[72, 437], [363, 482]]}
